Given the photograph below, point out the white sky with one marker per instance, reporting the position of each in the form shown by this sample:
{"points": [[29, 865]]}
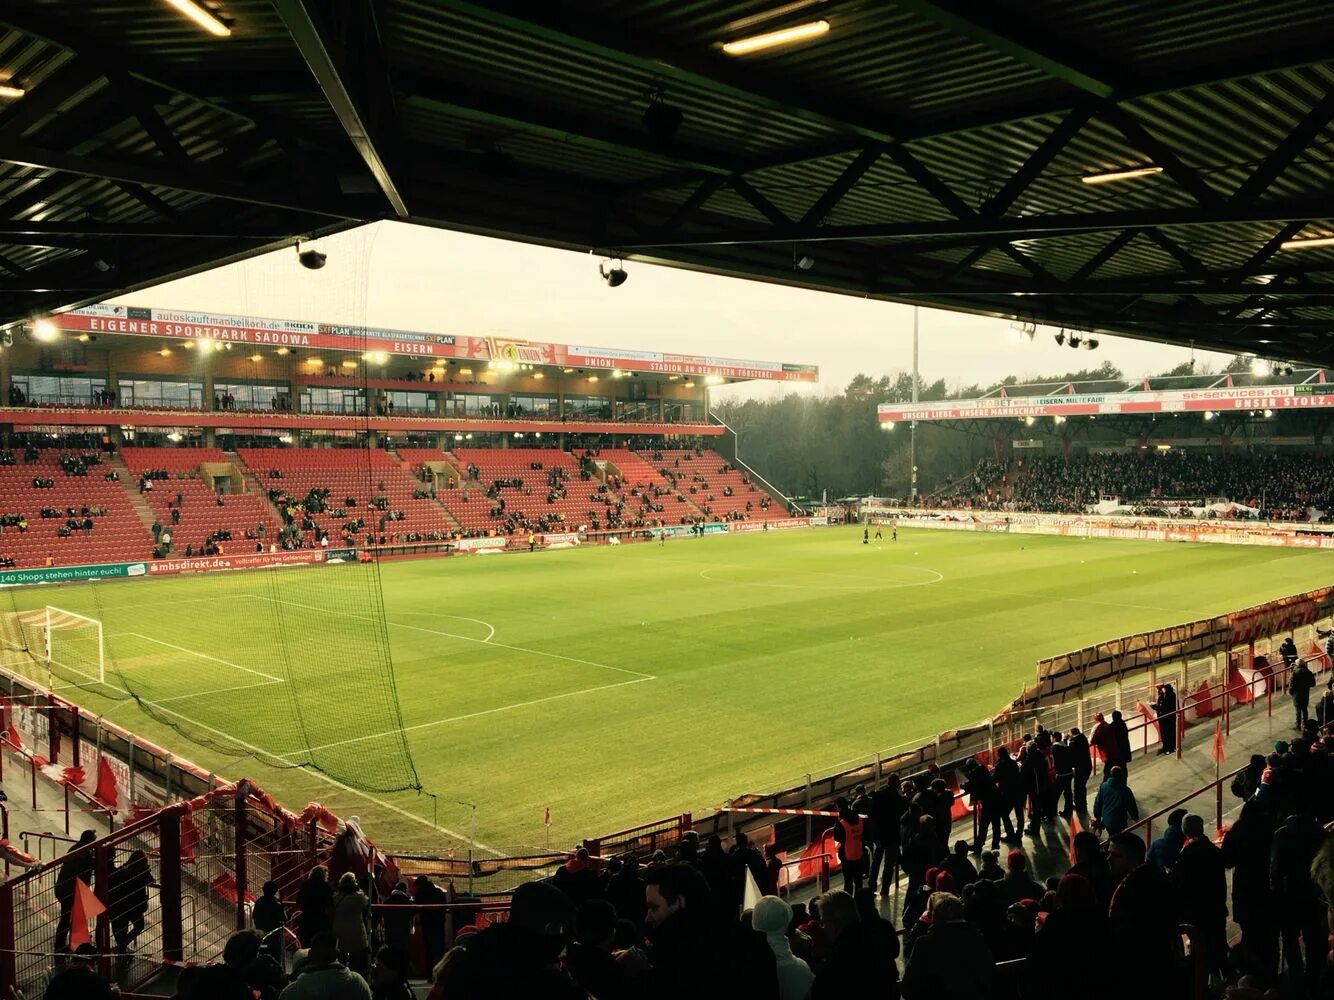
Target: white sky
{"points": [[415, 278]]}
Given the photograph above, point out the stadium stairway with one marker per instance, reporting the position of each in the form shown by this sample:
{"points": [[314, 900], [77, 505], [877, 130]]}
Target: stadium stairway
{"points": [[416, 461], [203, 511], [137, 501], [709, 465]]}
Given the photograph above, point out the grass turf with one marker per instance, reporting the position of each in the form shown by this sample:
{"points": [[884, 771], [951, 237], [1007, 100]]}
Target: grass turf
{"points": [[620, 685]]}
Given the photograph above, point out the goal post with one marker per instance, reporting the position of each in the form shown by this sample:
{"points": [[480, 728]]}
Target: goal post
{"points": [[73, 647]]}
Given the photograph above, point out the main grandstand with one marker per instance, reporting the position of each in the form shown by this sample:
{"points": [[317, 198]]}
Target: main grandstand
{"points": [[213, 431]]}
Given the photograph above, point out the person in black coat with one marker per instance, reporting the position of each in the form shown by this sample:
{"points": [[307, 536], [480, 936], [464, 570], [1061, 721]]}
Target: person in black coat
{"points": [[950, 962], [315, 901], [1199, 879], [982, 791], [127, 902], [887, 807], [1246, 849], [78, 864], [1011, 787], [1092, 866], [1121, 737], [1297, 898], [1165, 706], [858, 964], [1057, 959], [1142, 928], [1082, 767], [1063, 758]]}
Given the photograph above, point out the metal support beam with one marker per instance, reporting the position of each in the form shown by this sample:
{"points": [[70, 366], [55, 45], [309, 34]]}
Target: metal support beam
{"points": [[364, 111], [929, 182], [1003, 33], [759, 202], [955, 232], [1293, 145], [691, 205], [133, 93], [23, 154], [1109, 250], [852, 173], [1161, 155]]}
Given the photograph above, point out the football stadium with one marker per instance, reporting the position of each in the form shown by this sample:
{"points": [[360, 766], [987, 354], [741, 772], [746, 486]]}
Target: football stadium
{"points": [[366, 632]]}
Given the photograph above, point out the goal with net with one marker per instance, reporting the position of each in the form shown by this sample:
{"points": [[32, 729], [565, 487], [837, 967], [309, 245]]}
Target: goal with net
{"points": [[67, 645]]}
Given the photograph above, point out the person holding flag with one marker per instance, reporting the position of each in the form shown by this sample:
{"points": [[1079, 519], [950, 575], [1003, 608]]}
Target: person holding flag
{"points": [[76, 869]]}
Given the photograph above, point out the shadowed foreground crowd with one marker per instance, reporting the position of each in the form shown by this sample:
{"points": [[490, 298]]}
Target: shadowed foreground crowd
{"points": [[694, 923]]}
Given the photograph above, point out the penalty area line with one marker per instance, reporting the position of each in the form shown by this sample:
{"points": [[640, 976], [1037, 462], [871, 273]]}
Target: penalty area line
{"points": [[638, 674], [479, 714], [202, 656]]}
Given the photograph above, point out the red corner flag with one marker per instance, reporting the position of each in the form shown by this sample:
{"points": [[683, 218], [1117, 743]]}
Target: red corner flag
{"points": [[1217, 752], [86, 907]]}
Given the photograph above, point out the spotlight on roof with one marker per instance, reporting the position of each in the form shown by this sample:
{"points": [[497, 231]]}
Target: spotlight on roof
{"points": [[805, 263], [614, 276], [774, 39], [1259, 366], [1090, 343], [1059, 338], [311, 258], [662, 120], [45, 331], [1208, 414], [1076, 340], [9, 92], [1129, 173]]}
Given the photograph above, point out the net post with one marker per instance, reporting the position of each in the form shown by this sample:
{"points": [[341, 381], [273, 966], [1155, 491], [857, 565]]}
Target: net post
{"points": [[239, 813], [810, 829], [102, 865], [169, 882], [46, 645], [8, 966]]}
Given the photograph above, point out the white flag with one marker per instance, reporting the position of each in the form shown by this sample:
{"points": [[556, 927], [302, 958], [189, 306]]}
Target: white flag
{"points": [[752, 894]]}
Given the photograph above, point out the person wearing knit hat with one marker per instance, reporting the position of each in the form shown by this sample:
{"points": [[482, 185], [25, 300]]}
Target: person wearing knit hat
{"points": [[1019, 884], [771, 917]]}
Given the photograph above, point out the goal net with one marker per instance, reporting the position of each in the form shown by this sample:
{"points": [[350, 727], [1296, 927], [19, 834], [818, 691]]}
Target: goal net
{"points": [[71, 647]]}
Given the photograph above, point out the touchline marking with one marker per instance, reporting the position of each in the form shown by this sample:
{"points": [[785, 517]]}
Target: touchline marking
{"points": [[204, 656], [466, 638], [476, 715]]}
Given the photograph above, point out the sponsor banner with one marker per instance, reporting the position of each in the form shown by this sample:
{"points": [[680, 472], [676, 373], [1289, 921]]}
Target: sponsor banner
{"points": [[252, 560], [791, 522], [1137, 529], [476, 544], [1266, 397], [251, 330], [565, 539], [1029, 443], [688, 530], [340, 555], [69, 574]]}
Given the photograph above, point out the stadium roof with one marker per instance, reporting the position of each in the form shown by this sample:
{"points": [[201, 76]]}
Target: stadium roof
{"points": [[930, 151]]}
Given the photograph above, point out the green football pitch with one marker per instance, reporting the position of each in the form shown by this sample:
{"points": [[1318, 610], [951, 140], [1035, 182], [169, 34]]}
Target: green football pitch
{"points": [[620, 685]]}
